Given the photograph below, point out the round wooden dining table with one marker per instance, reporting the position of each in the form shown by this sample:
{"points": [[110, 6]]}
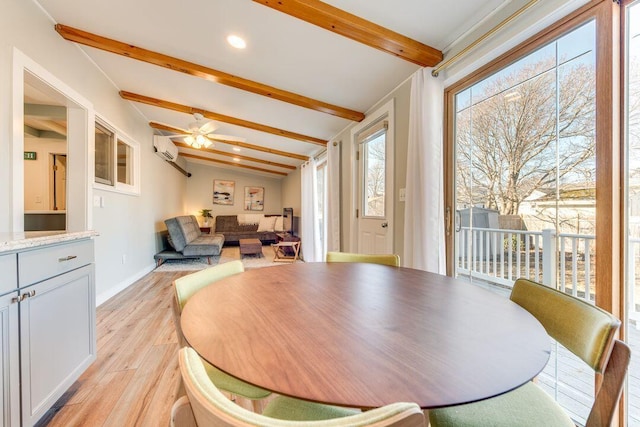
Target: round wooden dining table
{"points": [[365, 335]]}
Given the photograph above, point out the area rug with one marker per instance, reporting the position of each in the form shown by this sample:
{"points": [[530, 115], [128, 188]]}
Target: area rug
{"points": [[229, 253]]}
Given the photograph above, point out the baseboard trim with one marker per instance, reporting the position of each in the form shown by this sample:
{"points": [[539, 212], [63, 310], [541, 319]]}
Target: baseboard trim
{"points": [[114, 290]]}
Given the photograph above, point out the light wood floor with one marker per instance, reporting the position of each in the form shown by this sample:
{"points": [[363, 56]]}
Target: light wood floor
{"points": [[134, 380]]}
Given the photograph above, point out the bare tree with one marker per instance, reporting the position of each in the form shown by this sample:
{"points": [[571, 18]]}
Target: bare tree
{"points": [[376, 175], [512, 142]]}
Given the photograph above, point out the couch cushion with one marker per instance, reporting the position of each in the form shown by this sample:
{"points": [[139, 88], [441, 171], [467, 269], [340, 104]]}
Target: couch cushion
{"points": [[226, 223], [205, 245], [175, 231], [190, 228]]}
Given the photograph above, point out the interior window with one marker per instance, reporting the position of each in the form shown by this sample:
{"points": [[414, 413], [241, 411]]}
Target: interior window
{"points": [[116, 160], [104, 155]]}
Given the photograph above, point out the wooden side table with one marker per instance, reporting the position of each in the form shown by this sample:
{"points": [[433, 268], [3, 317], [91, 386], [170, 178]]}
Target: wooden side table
{"points": [[206, 230], [285, 251]]}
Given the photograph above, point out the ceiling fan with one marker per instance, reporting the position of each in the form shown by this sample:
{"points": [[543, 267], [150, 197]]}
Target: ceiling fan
{"points": [[199, 133]]}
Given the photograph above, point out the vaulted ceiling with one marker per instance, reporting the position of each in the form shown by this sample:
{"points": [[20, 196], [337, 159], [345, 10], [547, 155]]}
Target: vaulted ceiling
{"points": [[310, 68]]}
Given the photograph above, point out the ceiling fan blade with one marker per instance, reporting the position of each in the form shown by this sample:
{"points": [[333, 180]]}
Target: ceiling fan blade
{"points": [[208, 127], [226, 137]]}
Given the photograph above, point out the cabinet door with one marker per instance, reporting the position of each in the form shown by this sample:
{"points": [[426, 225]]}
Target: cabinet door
{"points": [[9, 364], [57, 338]]}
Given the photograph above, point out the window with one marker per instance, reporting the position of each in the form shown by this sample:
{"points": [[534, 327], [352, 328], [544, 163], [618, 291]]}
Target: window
{"points": [[524, 135], [116, 160], [104, 155]]}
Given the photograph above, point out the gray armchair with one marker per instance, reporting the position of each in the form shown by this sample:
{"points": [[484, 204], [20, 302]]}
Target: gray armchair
{"points": [[188, 241]]}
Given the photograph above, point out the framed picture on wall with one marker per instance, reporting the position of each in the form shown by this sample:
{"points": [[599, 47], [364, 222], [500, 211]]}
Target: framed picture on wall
{"points": [[223, 192], [253, 198]]}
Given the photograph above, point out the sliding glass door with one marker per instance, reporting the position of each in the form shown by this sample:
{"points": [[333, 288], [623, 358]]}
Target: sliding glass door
{"points": [[632, 190]]}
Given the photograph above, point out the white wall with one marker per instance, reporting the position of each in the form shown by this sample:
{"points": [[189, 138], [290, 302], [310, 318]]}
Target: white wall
{"points": [[291, 191], [127, 224], [199, 192]]}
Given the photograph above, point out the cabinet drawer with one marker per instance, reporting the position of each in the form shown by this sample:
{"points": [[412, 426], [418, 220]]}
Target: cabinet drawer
{"points": [[8, 273], [39, 264]]}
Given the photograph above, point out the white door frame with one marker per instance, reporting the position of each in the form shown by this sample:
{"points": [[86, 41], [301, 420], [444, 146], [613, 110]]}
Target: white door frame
{"points": [[80, 145], [386, 111]]}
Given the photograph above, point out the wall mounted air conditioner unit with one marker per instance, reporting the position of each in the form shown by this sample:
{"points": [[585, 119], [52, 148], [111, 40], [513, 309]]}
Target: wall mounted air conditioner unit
{"points": [[165, 148]]}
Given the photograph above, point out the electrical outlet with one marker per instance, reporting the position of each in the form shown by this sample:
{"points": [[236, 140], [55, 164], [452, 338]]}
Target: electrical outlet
{"points": [[96, 201], [402, 195]]}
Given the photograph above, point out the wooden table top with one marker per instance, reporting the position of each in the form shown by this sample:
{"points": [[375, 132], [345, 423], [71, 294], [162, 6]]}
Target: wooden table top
{"points": [[365, 335]]}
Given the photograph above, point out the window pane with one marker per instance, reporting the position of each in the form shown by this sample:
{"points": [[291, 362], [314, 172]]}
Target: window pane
{"points": [[125, 163], [104, 155], [374, 163], [632, 140], [525, 186]]}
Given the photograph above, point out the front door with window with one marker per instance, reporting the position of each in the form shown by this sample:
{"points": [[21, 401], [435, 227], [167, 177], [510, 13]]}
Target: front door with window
{"points": [[374, 212]]}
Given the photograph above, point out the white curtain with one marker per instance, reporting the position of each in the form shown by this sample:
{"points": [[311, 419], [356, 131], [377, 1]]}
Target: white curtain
{"points": [[310, 238], [424, 241], [333, 196]]}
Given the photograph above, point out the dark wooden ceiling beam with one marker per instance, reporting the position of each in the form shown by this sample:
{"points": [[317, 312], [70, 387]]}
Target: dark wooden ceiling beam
{"points": [[239, 165], [220, 117], [161, 126], [176, 64], [358, 29], [237, 156]]}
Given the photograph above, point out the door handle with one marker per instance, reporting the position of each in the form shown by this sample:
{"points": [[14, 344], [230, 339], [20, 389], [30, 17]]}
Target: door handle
{"points": [[384, 225]]}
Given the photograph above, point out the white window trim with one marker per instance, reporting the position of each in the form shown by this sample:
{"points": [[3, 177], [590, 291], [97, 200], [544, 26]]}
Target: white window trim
{"points": [[119, 187]]}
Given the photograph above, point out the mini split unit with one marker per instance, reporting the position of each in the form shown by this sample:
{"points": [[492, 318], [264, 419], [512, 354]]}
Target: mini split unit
{"points": [[165, 148]]}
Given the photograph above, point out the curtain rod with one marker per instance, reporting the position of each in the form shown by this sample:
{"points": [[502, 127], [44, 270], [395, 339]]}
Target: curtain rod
{"points": [[486, 35]]}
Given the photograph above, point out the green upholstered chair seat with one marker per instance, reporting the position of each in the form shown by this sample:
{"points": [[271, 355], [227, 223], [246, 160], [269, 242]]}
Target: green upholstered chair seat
{"points": [[582, 328], [286, 408], [187, 286], [233, 385], [526, 406], [211, 408]]}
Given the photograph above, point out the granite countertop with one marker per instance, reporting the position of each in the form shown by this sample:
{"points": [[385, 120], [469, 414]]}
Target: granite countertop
{"points": [[31, 239]]}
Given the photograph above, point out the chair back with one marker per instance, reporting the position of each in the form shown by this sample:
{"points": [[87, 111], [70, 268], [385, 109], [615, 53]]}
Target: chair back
{"points": [[610, 390], [186, 286], [584, 329], [385, 259], [211, 408]]}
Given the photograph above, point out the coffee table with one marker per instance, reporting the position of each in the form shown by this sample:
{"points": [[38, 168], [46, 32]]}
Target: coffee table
{"points": [[250, 247]]}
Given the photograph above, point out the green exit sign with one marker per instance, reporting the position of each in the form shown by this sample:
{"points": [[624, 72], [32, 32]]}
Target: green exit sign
{"points": [[30, 155]]}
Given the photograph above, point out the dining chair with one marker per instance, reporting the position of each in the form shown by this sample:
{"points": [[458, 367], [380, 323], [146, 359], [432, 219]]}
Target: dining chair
{"points": [[206, 406], [585, 330], [386, 259], [187, 286]]}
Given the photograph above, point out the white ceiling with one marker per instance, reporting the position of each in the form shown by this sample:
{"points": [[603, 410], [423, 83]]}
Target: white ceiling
{"points": [[282, 51]]}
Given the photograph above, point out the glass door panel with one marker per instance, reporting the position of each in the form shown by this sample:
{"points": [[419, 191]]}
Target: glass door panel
{"points": [[525, 185]]}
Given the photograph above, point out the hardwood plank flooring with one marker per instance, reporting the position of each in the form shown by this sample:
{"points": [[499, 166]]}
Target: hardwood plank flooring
{"points": [[135, 378]]}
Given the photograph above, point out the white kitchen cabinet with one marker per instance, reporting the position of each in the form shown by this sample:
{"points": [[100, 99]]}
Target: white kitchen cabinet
{"points": [[47, 326], [9, 364]]}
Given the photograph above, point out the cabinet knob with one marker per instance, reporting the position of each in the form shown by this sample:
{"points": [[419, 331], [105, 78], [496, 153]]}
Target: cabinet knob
{"points": [[67, 258]]}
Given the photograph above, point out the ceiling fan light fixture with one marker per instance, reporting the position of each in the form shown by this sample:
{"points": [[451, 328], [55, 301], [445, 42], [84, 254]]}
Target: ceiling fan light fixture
{"points": [[189, 140], [200, 140], [207, 143], [196, 145], [236, 41]]}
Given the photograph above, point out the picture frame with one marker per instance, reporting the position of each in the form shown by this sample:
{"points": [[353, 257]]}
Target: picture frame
{"points": [[223, 192], [253, 198]]}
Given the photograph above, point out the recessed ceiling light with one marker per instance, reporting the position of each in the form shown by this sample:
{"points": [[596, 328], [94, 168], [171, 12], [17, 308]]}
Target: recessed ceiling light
{"points": [[235, 159], [237, 149], [236, 41]]}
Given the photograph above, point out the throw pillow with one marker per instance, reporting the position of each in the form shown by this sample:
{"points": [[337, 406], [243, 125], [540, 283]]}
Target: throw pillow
{"points": [[279, 225], [267, 223]]}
